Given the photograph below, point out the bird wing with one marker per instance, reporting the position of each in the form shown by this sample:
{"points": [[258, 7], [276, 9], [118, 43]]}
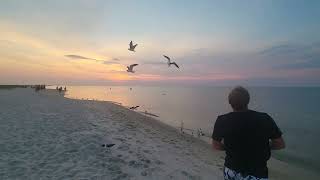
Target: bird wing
{"points": [[130, 44], [133, 65], [175, 64], [135, 46], [167, 57]]}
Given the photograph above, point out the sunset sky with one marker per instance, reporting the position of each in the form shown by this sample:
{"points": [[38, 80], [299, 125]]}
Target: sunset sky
{"points": [[270, 42]]}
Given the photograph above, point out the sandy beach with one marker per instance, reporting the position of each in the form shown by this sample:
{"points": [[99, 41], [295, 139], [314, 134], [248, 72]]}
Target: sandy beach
{"points": [[46, 136]]}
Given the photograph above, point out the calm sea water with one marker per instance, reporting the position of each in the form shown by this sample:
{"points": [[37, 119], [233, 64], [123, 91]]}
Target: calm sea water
{"points": [[295, 109]]}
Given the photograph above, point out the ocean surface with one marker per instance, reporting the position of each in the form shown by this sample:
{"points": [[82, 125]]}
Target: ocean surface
{"points": [[296, 110]]}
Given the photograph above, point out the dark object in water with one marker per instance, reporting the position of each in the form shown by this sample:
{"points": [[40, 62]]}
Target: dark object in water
{"points": [[134, 107], [107, 145]]}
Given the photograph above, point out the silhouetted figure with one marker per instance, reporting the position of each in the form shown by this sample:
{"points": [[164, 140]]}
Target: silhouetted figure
{"points": [[245, 134], [60, 89], [57, 88], [39, 87], [65, 88]]}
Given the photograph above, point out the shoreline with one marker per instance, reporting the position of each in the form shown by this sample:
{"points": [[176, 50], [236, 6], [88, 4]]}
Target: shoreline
{"points": [[273, 160], [145, 147]]}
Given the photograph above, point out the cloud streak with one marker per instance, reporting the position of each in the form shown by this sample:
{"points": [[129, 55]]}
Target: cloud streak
{"points": [[110, 62], [74, 56], [292, 56], [107, 62]]}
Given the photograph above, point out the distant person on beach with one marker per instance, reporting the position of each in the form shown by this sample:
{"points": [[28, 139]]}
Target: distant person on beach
{"points": [[247, 137]]}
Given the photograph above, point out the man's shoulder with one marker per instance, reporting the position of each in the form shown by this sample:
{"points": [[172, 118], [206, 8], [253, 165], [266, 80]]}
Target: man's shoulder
{"points": [[260, 114], [224, 116], [252, 112]]}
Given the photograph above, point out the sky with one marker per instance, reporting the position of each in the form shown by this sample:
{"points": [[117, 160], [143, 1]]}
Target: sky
{"points": [[85, 42]]}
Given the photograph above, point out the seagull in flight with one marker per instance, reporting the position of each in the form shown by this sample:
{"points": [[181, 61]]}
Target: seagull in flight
{"points": [[169, 61], [130, 68], [132, 47]]}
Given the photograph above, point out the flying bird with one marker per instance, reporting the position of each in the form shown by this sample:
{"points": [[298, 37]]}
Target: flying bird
{"points": [[132, 47], [130, 68], [169, 61]]}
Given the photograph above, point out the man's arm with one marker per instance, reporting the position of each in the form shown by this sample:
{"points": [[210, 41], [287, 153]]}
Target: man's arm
{"points": [[277, 144], [217, 135], [275, 135], [217, 145]]}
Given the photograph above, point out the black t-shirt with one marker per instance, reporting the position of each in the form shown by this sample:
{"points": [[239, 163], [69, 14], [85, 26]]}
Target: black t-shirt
{"points": [[246, 138]]}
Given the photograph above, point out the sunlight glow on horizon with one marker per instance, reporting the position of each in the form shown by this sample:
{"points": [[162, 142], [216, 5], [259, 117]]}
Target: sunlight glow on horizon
{"points": [[211, 41]]}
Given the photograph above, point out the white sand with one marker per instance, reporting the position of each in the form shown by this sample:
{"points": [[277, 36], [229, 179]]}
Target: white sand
{"points": [[46, 136]]}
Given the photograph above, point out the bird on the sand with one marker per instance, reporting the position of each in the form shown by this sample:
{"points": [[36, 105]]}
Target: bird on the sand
{"points": [[130, 68], [132, 47], [169, 62], [134, 107], [107, 145]]}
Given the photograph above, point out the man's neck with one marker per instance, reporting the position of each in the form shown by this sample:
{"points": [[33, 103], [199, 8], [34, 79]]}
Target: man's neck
{"points": [[242, 110]]}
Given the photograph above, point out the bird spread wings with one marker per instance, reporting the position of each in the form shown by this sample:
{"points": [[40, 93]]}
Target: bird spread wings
{"points": [[132, 46], [133, 65], [175, 64], [167, 58]]}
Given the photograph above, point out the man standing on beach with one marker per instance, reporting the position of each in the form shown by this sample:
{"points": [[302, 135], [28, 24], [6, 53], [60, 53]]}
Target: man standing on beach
{"points": [[247, 137]]}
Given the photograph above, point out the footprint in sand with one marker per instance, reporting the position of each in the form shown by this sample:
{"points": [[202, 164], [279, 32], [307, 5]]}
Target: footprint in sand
{"points": [[159, 162], [190, 176], [147, 151], [114, 168], [123, 148], [122, 176], [144, 173], [115, 160], [146, 161], [135, 164], [120, 139]]}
